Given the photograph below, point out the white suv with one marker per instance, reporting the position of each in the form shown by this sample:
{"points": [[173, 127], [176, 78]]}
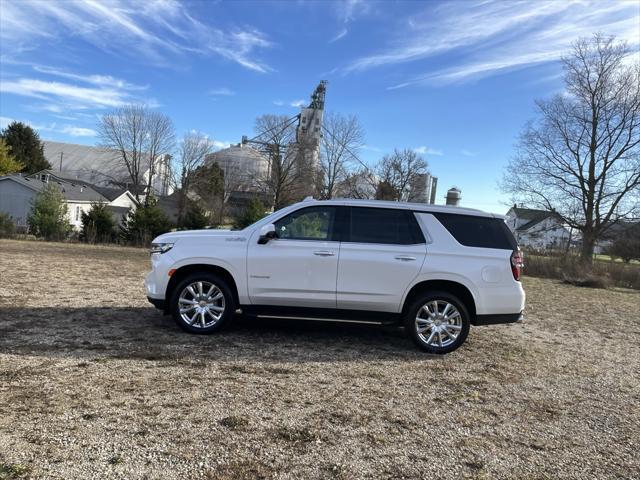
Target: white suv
{"points": [[436, 270]]}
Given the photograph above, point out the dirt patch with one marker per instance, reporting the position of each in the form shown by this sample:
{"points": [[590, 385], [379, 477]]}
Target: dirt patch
{"points": [[95, 383]]}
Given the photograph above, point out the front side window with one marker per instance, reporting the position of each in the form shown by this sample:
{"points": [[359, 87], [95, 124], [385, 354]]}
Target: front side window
{"points": [[385, 226], [314, 223]]}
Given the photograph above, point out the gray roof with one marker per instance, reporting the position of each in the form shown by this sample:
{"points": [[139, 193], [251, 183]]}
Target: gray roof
{"points": [[91, 164], [72, 190]]}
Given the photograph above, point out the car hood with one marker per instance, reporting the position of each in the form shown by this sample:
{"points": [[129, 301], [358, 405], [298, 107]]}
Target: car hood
{"points": [[213, 233]]}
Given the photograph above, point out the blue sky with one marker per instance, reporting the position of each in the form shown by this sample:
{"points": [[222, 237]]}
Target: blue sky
{"points": [[455, 80]]}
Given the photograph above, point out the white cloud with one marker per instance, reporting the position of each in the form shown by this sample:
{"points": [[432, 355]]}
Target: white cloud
{"points": [[156, 32], [4, 121], [218, 145], [224, 92], [341, 34], [347, 11], [298, 103], [467, 153], [96, 97], [492, 36], [52, 127], [423, 150], [78, 131], [90, 91], [278, 103]]}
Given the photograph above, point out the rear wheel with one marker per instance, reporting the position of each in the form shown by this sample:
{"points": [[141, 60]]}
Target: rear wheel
{"points": [[437, 322], [202, 303]]}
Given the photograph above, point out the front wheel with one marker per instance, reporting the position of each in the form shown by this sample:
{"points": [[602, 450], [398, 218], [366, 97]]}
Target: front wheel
{"points": [[202, 303], [437, 322]]}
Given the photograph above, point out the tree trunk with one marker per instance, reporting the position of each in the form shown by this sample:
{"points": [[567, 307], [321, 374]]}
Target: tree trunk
{"points": [[588, 243]]}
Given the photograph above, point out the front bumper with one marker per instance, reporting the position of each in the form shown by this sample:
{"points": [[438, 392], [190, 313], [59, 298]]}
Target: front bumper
{"points": [[497, 319]]}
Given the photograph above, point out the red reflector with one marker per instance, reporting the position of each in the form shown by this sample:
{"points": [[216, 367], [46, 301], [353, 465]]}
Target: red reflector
{"points": [[171, 272]]}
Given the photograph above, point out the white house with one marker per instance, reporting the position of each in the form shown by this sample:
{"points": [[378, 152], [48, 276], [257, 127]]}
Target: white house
{"points": [[17, 193], [537, 229], [103, 167]]}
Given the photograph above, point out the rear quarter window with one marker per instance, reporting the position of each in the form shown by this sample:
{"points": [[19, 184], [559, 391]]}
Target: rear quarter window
{"points": [[483, 232]]}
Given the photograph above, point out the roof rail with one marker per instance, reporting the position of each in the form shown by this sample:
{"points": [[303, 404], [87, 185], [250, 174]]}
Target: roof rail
{"points": [[308, 199]]}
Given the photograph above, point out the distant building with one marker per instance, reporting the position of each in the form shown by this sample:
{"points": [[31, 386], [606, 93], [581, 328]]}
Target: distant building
{"points": [[537, 229], [17, 193], [243, 167], [103, 167]]}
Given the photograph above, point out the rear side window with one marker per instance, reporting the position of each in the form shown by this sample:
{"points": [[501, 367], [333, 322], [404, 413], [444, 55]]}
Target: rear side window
{"points": [[472, 231], [386, 226]]}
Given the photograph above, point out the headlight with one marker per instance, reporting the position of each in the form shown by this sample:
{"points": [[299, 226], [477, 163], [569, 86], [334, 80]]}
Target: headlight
{"points": [[161, 247]]}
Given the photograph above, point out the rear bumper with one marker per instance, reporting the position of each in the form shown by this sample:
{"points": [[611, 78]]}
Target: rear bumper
{"points": [[497, 319], [159, 303]]}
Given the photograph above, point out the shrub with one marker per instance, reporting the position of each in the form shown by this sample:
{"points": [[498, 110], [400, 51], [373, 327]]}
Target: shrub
{"points": [[143, 224], [254, 212], [48, 217], [627, 245], [98, 224], [569, 269], [7, 227], [194, 218]]}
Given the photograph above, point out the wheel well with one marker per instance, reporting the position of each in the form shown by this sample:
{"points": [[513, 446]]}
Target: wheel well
{"points": [[182, 272], [454, 288]]}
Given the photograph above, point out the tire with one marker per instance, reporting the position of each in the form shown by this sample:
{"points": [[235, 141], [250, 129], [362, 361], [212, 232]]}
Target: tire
{"points": [[441, 333], [203, 309]]}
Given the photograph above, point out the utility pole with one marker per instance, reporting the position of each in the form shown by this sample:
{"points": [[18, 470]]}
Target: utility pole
{"points": [[61, 153]]}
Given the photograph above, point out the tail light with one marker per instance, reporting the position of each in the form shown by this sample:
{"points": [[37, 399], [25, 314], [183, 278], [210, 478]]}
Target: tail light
{"points": [[517, 262]]}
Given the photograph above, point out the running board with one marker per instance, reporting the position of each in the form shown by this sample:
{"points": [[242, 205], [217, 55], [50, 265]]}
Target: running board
{"points": [[318, 319], [321, 314]]}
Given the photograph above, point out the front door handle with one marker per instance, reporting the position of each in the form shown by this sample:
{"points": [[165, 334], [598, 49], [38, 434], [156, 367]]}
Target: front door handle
{"points": [[405, 258], [324, 253]]}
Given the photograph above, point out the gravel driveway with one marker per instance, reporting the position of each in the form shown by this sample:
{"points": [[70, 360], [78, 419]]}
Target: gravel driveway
{"points": [[95, 383]]}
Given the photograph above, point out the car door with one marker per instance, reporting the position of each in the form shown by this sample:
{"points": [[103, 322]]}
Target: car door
{"points": [[381, 253], [299, 267]]}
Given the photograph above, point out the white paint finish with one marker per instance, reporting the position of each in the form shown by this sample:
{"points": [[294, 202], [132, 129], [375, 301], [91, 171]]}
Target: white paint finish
{"points": [[299, 273], [374, 277], [448, 260], [357, 276]]}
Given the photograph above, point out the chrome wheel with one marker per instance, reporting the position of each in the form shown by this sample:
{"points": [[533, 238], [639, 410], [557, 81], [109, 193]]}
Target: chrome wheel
{"points": [[438, 323], [201, 304]]}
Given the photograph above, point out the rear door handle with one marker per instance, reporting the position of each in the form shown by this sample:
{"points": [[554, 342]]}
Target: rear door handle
{"points": [[405, 258], [324, 253]]}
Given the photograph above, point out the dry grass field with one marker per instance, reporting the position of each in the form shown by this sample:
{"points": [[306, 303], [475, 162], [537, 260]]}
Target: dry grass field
{"points": [[95, 383]]}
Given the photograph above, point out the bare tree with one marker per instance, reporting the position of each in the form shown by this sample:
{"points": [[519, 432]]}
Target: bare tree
{"points": [[399, 172], [360, 184], [581, 157], [138, 137], [280, 178], [342, 139], [194, 147], [160, 144]]}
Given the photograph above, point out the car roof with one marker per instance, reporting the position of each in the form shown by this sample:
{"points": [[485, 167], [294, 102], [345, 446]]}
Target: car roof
{"points": [[416, 207]]}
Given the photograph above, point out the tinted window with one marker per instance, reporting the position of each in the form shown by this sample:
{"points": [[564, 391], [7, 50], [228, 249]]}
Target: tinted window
{"points": [[474, 231], [378, 225], [315, 223]]}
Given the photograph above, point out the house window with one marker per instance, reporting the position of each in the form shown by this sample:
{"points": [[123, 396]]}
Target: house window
{"points": [[77, 213]]}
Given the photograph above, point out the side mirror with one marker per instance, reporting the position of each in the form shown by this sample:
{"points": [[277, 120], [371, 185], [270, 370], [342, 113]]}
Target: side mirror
{"points": [[267, 232]]}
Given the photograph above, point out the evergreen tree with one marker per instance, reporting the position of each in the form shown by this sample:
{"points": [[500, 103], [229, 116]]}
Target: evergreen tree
{"points": [[48, 217], [254, 212], [26, 146], [8, 164], [98, 224], [195, 218], [143, 224]]}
